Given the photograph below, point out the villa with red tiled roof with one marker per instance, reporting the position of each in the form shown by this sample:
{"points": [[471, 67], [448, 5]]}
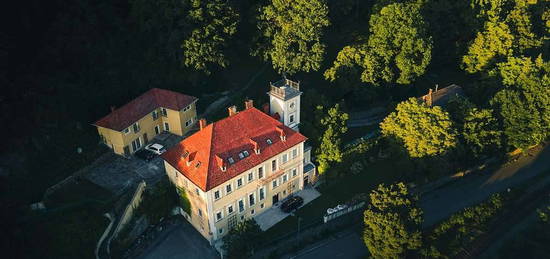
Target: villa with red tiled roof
{"points": [[130, 127], [239, 167]]}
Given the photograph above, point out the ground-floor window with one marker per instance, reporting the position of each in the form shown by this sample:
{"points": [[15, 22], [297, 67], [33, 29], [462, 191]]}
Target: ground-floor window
{"points": [[136, 144], [166, 126], [157, 129]]}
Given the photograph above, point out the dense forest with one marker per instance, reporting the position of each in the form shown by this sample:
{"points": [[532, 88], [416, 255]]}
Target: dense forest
{"points": [[65, 63]]}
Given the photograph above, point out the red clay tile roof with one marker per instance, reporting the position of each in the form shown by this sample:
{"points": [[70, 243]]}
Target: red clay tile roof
{"points": [[227, 138], [136, 109]]}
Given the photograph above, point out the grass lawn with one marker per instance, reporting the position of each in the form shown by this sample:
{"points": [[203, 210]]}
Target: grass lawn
{"points": [[340, 190]]}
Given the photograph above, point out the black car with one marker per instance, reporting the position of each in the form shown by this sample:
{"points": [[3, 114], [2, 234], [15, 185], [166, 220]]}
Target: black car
{"points": [[292, 203], [145, 154]]}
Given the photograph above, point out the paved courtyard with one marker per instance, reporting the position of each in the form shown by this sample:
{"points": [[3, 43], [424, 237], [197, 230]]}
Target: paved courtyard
{"points": [[274, 214], [116, 173], [180, 241]]}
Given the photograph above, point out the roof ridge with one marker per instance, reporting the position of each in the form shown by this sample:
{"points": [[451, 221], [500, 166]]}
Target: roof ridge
{"points": [[210, 156]]}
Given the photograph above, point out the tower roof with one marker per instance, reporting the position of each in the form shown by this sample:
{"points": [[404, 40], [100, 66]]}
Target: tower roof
{"points": [[285, 89]]}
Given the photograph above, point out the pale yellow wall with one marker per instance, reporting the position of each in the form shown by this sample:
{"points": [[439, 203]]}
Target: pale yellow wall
{"points": [[176, 121], [113, 139], [209, 206], [200, 223], [253, 187]]}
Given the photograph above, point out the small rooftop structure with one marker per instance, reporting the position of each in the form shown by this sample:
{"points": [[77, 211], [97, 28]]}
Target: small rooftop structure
{"points": [[440, 97], [285, 89]]}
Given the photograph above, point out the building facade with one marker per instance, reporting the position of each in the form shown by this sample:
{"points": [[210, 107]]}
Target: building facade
{"points": [[132, 126], [237, 168]]}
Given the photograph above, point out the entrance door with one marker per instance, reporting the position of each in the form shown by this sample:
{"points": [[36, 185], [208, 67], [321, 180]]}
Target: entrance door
{"points": [[157, 129], [306, 180], [145, 138], [275, 198]]}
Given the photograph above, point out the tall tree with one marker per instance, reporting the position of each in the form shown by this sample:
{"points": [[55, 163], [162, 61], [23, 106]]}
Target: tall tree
{"points": [[214, 22], [524, 103], [481, 131], [330, 149], [423, 130], [291, 32], [392, 222], [507, 31], [241, 240], [397, 51]]}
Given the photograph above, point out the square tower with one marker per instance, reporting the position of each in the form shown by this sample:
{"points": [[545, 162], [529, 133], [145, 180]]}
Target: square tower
{"points": [[284, 100]]}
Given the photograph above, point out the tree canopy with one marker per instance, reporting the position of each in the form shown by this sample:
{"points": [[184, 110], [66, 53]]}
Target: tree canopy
{"points": [[241, 240], [392, 222], [290, 34], [398, 49], [508, 31], [330, 149], [481, 131], [423, 130], [214, 23], [524, 103]]}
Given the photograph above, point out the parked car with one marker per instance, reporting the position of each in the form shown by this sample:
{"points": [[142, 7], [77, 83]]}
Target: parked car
{"points": [[145, 154], [292, 203], [156, 148]]}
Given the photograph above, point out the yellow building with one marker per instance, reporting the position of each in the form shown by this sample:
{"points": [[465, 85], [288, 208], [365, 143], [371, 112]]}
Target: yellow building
{"points": [[237, 168], [130, 127]]}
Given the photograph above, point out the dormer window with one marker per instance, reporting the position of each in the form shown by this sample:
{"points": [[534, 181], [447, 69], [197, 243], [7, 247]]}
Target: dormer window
{"points": [[245, 153], [198, 164], [185, 154], [231, 160], [241, 155], [269, 142]]}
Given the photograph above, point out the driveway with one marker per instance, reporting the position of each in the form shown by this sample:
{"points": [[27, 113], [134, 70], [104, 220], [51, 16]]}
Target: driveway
{"points": [[180, 241]]}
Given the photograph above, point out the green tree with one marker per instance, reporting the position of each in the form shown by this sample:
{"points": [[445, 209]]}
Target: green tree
{"points": [[524, 103], [291, 32], [508, 31], [392, 222], [330, 149], [481, 131], [398, 49], [213, 22], [242, 240], [423, 130]]}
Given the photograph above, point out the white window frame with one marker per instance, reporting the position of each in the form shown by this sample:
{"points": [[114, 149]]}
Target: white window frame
{"points": [[136, 125], [294, 172], [275, 184], [253, 201], [294, 153], [260, 193], [242, 183], [285, 178], [230, 187], [284, 158], [291, 118], [126, 131], [164, 112], [166, 126], [157, 129], [273, 166], [219, 194], [261, 168], [250, 179], [220, 212], [155, 115], [232, 208], [239, 205]]}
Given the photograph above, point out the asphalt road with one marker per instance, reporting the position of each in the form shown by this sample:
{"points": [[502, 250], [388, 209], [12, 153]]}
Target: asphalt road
{"points": [[346, 245]]}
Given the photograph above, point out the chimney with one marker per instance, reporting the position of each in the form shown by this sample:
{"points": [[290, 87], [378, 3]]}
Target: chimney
{"points": [[436, 86], [281, 133], [221, 163], [232, 110], [202, 123], [256, 146], [113, 108], [265, 108], [248, 104]]}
